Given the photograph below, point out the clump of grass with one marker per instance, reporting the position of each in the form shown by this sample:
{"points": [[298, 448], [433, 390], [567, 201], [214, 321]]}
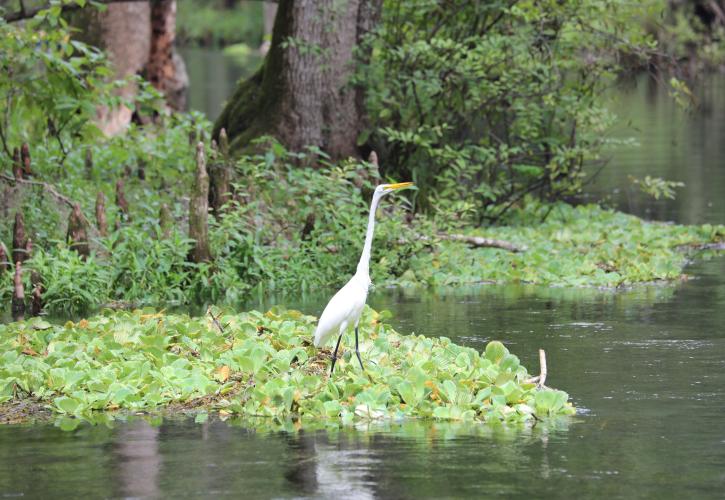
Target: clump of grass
{"points": [[254, 364]]}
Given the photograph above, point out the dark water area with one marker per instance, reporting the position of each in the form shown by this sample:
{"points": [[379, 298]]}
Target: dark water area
{"points": [[673, 143], [213, 76], [645, 368]]}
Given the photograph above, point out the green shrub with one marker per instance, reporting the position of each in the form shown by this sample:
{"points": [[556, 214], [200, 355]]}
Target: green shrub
{"points": [[481, 103]]}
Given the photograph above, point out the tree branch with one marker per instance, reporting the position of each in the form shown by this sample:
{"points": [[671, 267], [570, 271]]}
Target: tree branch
{"points": [[481, 242]]}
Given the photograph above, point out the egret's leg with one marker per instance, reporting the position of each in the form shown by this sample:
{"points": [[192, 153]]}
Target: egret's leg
{"points": [[357, 350], [334, 354]]}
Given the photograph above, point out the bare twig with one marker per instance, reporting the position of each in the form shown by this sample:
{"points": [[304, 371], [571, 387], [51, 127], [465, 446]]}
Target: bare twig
{"points": [[215, 320], [541, 378]]}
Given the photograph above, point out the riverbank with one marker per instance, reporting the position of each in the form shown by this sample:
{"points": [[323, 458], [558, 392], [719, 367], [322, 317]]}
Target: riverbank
{"points": [[296, 230]]}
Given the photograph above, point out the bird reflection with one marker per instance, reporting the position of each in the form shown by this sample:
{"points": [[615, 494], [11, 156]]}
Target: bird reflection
{"points": [[319, 466]]}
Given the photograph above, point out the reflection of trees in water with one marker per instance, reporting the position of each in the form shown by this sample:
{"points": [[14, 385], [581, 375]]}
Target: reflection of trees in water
{"points": [[675, 144], [413, 459], [138, 461]]}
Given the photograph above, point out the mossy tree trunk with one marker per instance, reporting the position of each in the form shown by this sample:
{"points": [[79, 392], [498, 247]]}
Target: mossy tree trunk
{"points": [[302, 95]]}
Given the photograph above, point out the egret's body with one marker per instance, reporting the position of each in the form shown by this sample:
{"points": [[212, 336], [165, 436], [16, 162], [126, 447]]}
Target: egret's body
{"points": [[344, 309]]}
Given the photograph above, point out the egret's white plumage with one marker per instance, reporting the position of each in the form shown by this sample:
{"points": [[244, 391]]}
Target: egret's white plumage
{"points": [[344, 309]]}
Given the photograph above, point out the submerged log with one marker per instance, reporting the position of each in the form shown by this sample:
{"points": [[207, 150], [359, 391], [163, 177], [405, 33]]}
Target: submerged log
{"points": [[121, 200], [18, 301], [77, 234], [101, 221], [20, 241], [198, 210]]}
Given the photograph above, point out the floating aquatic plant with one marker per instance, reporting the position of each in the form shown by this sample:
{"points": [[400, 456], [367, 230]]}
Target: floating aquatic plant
{"points": [[261, 364]]}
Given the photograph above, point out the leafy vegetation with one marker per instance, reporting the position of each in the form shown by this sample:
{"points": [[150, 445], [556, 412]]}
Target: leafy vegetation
{"points": [[691, 33], [260, 243], [482, 103], [291, 228], [571, 246], [262, 365]]}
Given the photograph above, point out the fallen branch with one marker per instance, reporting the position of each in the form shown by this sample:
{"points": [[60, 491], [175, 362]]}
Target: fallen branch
{"points": [[720, 245], [481, 242]]}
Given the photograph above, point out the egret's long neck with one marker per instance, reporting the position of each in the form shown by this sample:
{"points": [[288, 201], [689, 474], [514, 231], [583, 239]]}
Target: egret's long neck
{"points": [[364, 265]]}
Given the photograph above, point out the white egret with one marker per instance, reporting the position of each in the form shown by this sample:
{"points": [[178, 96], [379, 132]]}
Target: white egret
{"points": [[344, 309]]}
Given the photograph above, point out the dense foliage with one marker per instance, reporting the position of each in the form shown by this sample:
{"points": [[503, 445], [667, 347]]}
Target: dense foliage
{"points": [[292, 228], [51, 86], [262, 365], [691, 33], [483, 102]]}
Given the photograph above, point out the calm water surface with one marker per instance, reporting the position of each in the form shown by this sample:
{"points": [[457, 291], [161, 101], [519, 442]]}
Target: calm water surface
{"points": [[645, 367]]}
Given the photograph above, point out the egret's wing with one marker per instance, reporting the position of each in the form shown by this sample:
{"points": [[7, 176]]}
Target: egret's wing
{"points": [[344, 308]]}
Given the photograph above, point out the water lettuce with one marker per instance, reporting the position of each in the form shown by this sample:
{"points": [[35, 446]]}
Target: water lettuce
{"points": [[255, 364]]}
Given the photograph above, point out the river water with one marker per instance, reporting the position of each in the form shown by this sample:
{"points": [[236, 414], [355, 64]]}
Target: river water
{"points": [[645, 367]]}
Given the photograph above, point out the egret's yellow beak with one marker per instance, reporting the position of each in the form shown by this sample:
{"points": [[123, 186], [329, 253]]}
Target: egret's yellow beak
{"points": [[399, 185]]}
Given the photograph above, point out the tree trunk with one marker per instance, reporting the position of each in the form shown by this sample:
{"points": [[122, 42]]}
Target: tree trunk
{"points": [[302, 94], [124, 31], [165, 69]]}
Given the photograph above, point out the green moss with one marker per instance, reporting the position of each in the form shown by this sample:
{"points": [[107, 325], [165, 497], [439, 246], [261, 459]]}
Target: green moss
{"points": [[262, 365]]}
